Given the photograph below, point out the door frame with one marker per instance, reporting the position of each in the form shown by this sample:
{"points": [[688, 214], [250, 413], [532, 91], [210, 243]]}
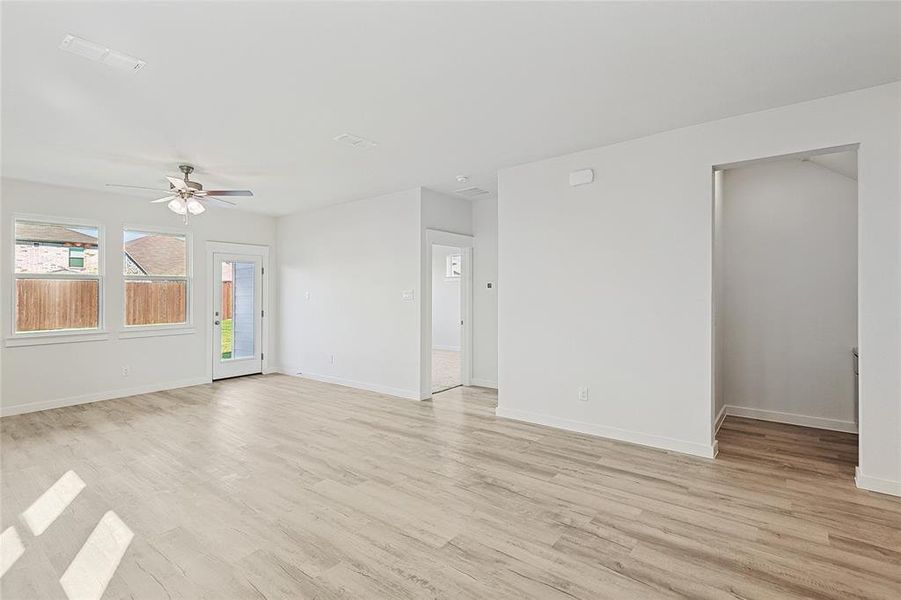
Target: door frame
{"points": [[262, 251], [715, 368], [436, 237]]}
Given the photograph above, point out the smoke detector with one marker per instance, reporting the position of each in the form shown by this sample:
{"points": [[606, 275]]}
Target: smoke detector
{"points": [[462, 178]]}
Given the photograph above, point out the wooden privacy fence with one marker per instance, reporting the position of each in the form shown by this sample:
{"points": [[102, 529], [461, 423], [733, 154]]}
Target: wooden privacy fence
{"points": [[43, 304], [227, 303], [149, 302], [56, 304]]}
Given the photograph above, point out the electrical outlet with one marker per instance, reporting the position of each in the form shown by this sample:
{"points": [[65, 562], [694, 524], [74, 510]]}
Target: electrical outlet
{"points": [[125, 370], [309, 295], [583, 393]]}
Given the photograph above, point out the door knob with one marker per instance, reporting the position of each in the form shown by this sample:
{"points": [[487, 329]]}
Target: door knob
{"points": [[216, 323]]}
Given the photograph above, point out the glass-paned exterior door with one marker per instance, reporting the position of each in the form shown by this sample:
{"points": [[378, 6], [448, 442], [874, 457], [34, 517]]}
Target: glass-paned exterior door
{"points": [[237, 315]]}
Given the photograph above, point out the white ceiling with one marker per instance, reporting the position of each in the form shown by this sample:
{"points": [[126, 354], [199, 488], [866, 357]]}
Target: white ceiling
{"points": [[252, 93]]}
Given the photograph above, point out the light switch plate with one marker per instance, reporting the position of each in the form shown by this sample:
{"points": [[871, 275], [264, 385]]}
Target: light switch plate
{"points": [[407, 296]]}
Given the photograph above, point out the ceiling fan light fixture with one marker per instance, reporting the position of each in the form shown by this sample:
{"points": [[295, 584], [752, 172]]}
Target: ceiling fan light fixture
{"points": [[187, 198], [178, 206], [195, 206]]}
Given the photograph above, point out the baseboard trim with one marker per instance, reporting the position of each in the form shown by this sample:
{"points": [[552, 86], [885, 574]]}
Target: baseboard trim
{"points": [[791, 418], [20, 409], [874, 484], [359, 385], [623, 435], [447, 348], [487, 383], [720, 417]]}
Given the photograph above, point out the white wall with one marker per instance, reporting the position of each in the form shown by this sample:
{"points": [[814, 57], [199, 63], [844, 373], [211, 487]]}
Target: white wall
{"points": [[789, 301], [38, 377], [447, 213], [484, 318], [624, 303], [354, 260], [446, 328]]}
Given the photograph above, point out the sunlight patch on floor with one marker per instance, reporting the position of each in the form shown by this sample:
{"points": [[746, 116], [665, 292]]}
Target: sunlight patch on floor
{"points": [[44, 511]]}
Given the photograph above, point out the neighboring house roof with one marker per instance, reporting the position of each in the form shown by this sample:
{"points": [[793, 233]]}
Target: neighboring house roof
{"points": [[57, 234], [158, 254]]}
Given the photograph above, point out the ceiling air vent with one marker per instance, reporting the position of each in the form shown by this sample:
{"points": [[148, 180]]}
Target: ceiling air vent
{"points": [[354, 141], [97, 53], [472, 192]]}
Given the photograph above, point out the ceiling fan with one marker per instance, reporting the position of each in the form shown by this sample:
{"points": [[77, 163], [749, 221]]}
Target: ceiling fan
{"points": [[188, 197]]}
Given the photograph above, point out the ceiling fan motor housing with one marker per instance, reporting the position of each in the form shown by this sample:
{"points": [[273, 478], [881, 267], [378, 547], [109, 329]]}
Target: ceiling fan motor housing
{"points": [[187, 170]]}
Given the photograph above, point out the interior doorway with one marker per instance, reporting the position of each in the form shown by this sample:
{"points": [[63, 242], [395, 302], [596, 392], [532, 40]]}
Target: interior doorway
{"points": [[437, 268], [447, 317], [785, 292]]}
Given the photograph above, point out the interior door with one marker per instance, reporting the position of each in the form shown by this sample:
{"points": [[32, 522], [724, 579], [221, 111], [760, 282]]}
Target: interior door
{"points": [[237, 315]]}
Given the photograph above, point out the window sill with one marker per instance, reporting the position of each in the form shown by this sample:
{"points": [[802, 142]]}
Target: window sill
{"points": [[68, 337], [155, 331]]}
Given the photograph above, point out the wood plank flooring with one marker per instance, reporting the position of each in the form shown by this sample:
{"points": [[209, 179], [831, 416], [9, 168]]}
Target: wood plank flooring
{"points": [[445, 370], [279, 487]]}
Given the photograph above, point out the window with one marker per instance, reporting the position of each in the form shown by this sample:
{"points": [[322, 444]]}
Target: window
{"points": [[155, 266], [76, 258], [57, 276], [454, 266]]}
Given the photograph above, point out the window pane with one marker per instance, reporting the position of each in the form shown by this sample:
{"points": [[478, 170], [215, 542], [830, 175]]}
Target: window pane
{"points": [[76, 258], [155, 302], [237, 328], [48, 304], [227, 309], [51, 248], [155, 254], [454, 265]]}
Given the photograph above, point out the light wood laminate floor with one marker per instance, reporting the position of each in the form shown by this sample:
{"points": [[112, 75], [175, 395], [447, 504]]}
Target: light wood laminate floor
{"points": [[279, 487], [445, 370]]}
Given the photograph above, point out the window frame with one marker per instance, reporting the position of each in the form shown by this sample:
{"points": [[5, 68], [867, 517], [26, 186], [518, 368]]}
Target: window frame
{"points": [[55, 336], [148, 330]]}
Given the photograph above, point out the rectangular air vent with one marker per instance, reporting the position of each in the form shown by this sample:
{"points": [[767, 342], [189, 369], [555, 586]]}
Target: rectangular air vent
{"points": [[354, 141], [102, 54], [472, 192]]}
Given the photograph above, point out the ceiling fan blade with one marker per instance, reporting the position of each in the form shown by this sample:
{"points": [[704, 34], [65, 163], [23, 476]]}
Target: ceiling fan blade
{"points": [[218, 202], [229, 193], [166, 199], [135, 187], [177, 183]]}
